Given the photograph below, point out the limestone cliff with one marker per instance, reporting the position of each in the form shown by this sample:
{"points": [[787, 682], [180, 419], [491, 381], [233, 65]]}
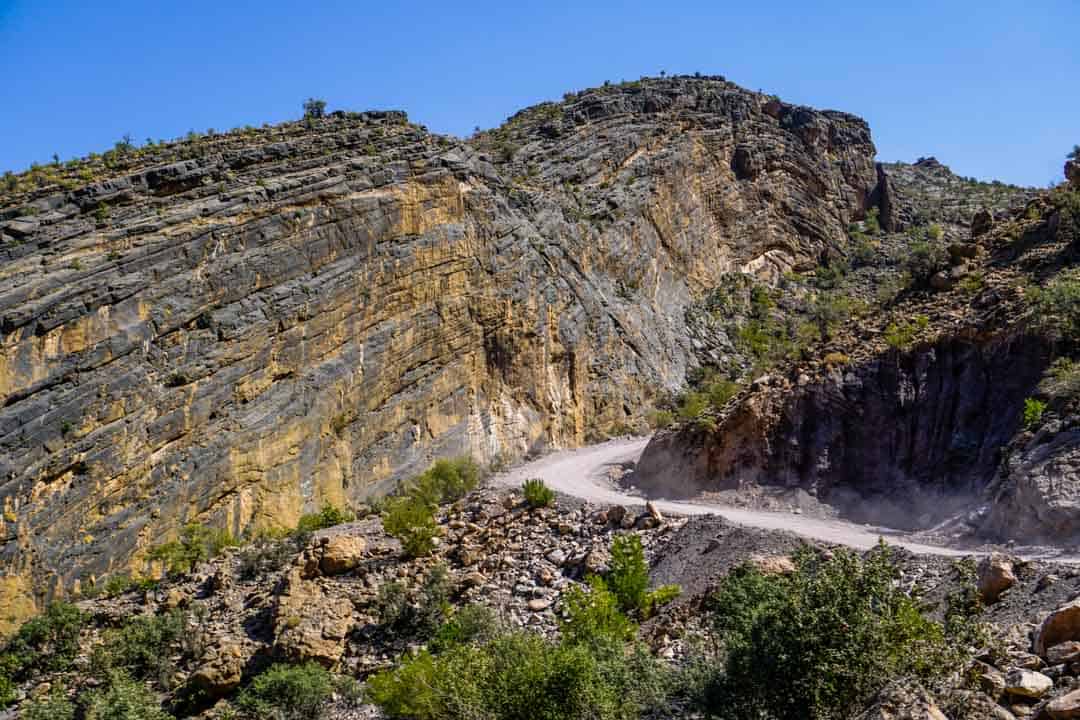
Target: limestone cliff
{"points": [[237, 328], [956, 398]]}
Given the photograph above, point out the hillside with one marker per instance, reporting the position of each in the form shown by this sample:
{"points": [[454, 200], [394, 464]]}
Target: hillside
{"points": [[235, 329], [261, 390]]}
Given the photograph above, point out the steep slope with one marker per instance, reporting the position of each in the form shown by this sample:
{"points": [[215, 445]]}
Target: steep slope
{"points": [[234, 329], [959, 392]]}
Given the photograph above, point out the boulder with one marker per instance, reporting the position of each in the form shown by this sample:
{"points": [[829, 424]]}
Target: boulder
{"points": [[981, 223], [1065, 707], [597, 561], [903, 701], [221, 670], [1060, 626], [310, 624], [1027, 683], [995, 576], [1065, 652], [341, 553], [989, 679], [773, 564]]}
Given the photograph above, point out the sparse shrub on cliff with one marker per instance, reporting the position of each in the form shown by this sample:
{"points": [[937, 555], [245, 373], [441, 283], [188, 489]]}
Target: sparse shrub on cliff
{"points": [[924, 260], [1062, 379], [829, 310], [873, 223], [1058, 305], [537, 494], [935, 231], [198, 543], [660, 419], [1033, 413], [472, 623], [900, 335], [314, 108], [287, 692], [816, 644], [121, 583]]}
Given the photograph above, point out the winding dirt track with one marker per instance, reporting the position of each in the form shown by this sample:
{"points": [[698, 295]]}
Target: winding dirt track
{"points": [[583, 474]]}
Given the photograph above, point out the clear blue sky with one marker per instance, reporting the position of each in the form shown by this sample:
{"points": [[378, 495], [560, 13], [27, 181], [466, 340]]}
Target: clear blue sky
{"points": [[991, 88]]}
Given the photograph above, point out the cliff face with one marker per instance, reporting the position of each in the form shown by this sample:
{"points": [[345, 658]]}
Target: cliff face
{"points": [[238, 328], [956, 398], [904, 440]]}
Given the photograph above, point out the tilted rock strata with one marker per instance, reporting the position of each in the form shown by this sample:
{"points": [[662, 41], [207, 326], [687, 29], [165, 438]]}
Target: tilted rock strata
{"points": [[310, 313]]}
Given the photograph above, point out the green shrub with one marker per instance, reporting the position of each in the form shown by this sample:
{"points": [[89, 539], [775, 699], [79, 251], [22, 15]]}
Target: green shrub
{"points": [[143, 648], [314, 108], [935, 232], [1058, 304], [1062, 379], [123, 583], [422, 619], [47, 643], [267, 553], [444, 482], [828, 311], [412, 522], [517, 676], [472, 624], [692, 406], [8, 689], [53, 706], [392, 605], [817, 644], [198, 543], [828, 277], [327, 517], [863, 250], [124, 699], [873, 224], [924, 260], [661, 419], [537, 494], [628, 579], [1033, 413], [287, 692], [901, 335], [593, 616]]}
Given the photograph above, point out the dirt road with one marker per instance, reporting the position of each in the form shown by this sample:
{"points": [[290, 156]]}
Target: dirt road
{"points": [[582, 473]]}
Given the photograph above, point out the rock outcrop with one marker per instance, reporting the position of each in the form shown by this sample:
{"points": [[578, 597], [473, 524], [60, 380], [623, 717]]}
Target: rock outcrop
{"points": [[915, 413], [235, 329]]}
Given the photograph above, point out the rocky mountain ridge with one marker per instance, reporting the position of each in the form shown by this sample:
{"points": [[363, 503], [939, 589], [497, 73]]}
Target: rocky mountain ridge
{"points": [[955, 400], [236, 328]]}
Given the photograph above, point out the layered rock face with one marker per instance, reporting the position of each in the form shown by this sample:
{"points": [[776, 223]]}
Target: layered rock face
{"points": [[236, 329], [935, 401], [902, 440]]}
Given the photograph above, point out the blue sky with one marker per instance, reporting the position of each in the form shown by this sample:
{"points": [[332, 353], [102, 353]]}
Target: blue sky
{"points": [[990, 87]]}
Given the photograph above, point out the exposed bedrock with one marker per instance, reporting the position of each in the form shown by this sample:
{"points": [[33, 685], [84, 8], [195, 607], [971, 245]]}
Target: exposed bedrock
{"points": [[244, 327], [903, 440]]}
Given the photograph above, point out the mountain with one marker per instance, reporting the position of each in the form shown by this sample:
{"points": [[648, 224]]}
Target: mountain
{"points": [[234, 329]]}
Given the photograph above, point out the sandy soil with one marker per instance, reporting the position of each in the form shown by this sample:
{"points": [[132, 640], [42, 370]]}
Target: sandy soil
{"points": [[587, 473]]}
